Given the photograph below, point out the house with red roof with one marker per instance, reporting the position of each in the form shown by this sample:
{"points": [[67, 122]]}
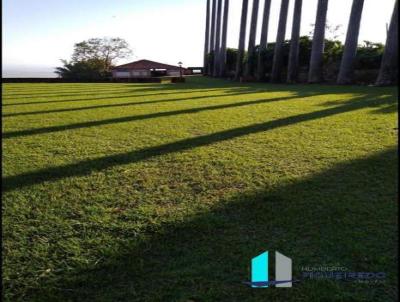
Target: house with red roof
{"points": [[146, 69]]}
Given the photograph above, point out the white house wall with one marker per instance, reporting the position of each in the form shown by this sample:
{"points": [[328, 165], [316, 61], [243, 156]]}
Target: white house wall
{"points": [[140, 73], [121, 74], [173, 73]]}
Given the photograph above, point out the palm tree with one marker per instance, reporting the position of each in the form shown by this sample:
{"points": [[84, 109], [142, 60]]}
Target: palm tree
{"points": [[217, 39], [207, 38], [242, 37], [252, 38], [315, 71], [388, 71], [222, 55], [263, 40], [280, 39], [293, 63], [212, 39], [350, 47]]}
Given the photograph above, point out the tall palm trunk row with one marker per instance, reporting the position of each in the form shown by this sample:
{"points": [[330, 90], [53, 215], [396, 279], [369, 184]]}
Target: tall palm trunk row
{"points": [[388, 71], [280, 40], [263, 40], [217, 39], [252, 39], [222, 53], [207, 39], [293, 64], [350, 47], [215, 43], [242, 37]]}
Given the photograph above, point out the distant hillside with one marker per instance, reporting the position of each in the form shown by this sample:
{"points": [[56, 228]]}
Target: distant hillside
{"points": [[28, 72]]}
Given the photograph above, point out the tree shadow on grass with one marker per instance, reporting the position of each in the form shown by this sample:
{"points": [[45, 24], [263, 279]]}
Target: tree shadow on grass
{"points": [[390, 108], [125, 94], [54, 89], [389, 104], [385, 100], [35, 131], [196, 86], [129, 103], [200, 85], [87, 166], [144, 103], [345, 216], [160, 91], [62, 93]]}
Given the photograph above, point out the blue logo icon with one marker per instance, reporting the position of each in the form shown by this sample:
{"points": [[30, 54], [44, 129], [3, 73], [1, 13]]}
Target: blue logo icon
{"points": [[259, 271]]}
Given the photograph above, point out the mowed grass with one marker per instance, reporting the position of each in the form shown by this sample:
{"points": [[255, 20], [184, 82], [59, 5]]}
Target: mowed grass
{"points": [[164, 192]]}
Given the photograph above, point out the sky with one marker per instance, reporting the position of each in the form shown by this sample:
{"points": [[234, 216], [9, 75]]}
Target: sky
{"points": [[38, 33]]}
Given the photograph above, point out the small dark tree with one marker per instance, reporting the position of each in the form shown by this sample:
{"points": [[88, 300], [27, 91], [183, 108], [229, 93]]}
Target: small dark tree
{"points": [[369, 55], [91, 69], [231, 56]]}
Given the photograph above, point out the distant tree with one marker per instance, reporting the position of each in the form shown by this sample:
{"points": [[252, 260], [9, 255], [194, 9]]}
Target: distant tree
{"points": [[231, 58], [93, 58], [332, 31], [305, 45], [106, 50], [369, 55], [333, 52]]}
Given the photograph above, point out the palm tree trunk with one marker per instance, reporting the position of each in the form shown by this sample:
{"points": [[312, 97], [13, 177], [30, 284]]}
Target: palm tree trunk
{"points": [[242, 37], [388, 72], [263, 40], [222, 55], [217, 39], [315, 71], [293, 64], [252, 39], [280, 39], [212, 39], [207, 39], [350, 47]]}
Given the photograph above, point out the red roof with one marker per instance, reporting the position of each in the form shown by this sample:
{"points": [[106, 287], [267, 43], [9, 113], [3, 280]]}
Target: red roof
{"points": [[147, 64]]}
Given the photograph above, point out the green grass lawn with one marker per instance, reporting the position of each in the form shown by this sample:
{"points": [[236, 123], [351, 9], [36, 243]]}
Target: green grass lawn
{"points": [[164, 192]]}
